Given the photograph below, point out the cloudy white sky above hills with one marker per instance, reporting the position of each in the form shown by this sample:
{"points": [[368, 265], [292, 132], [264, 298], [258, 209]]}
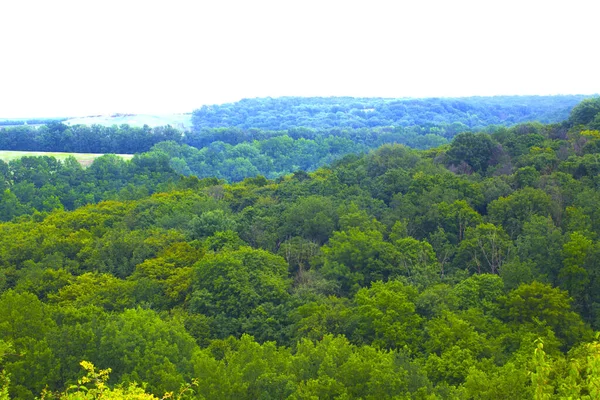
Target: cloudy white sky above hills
{"points": [[76, 58]]}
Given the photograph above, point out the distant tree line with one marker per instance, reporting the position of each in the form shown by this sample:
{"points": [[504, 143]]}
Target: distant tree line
{"points": [[35, 121], [441, 116], [419, 123], [58, 137]]}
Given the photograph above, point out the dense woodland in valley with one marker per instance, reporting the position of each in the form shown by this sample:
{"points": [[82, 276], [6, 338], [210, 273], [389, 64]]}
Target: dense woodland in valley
{"points": [[468, 270]]}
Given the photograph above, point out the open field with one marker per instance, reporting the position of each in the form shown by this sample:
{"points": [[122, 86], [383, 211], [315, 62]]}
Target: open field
{"points": [[179, 121], [84, 159]]}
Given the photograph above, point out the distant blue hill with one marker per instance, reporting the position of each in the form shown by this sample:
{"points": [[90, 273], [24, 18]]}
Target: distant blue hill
{"points": [[448, 116]]}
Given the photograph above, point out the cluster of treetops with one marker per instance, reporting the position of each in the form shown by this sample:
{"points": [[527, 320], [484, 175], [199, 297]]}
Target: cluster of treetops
{"points": [[466, 271]]}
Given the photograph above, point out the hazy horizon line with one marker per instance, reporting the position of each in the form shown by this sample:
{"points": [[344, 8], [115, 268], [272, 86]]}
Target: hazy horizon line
{"points": [[159, 113]]}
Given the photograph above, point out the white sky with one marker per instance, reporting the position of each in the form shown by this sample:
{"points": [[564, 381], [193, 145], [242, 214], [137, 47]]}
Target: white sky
{"points": [[83, 57]]}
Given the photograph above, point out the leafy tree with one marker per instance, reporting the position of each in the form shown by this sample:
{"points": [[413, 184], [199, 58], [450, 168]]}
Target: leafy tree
{"points": [[24, 322], [519, 206], [479, 291], [298, 253], [585, 111], [485, 249], [355, 258], [233, 283], [417, 261], [454, 346], [475, 151], [210, 222], [327, 315], [141, 347], [537, 305], [386, 316], [313, 218], [10, 206], [455, 218], [243, 369], [573, 275], [541, 243], [93, 289]]}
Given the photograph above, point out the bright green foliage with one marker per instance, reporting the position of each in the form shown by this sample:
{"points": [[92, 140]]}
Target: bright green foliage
{"points": [[4, 378], [538, 306], [333, 368], [573, 276], [454, 345], [526, 177], [540, 377], [355, 258], [578, 220], [243, 369], [210, 222], [100, 389], [168, 277], [330, 368], [313, 218], [480, 291], [455, 218], [10, 206], [489, 383], [417, 261], [103, 290], [573, 377], [233, 283], [541, 243], [78, 332], [353, 217], [511, 211], [316, 319], [141, 347], [485, 249], [25, 323], [385, 316], [222, 240]]}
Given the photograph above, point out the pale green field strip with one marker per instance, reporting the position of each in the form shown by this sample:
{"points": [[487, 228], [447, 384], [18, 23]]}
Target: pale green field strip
{"points": [[84, 159]]}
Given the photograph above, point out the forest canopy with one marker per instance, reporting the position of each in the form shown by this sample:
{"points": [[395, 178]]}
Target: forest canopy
{"points": [[463, 271], [448, 115]]}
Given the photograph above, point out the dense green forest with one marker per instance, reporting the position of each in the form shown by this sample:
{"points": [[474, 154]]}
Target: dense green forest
{"points": [[276, 137], [297, 117], [464, 271]]}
